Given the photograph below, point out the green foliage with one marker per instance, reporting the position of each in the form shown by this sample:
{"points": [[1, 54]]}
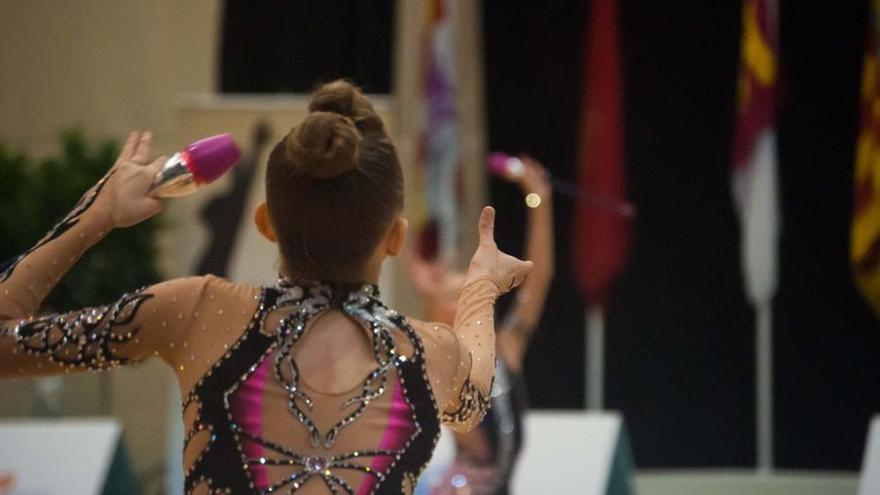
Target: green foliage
{"points": [[36, 195]]}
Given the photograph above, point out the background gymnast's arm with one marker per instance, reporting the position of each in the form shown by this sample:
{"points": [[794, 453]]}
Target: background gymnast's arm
{"points": [[516, 329]]}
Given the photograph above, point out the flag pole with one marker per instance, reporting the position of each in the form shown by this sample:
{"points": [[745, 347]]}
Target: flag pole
{"points": [[764, 386], [594, 381]]}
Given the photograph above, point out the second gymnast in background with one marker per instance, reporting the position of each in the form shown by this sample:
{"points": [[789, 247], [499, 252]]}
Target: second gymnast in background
{"points": [[486, 456]]}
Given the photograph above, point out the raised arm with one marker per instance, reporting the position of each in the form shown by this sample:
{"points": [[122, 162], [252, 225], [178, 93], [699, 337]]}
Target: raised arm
{"points": [[462, 358], [93, 338], [516, 328]]}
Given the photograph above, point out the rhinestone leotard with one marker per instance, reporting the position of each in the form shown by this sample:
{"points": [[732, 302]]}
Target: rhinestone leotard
{"points": [[254, 422], [238, 452]]}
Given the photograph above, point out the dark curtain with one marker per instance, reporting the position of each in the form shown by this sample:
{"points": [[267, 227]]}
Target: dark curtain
{"points": [[680, 335], [291, 46], [827, 340]]}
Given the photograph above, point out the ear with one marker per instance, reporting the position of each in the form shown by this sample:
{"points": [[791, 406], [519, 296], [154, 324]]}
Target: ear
{"points": [[264, 223], [396, 236]]}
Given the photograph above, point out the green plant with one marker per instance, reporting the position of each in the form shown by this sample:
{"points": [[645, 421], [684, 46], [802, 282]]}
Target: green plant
{"points": [[34, 195]]}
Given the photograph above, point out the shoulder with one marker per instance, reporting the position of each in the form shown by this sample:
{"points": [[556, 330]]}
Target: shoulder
{"points": [[196, 289], [218, 285]]}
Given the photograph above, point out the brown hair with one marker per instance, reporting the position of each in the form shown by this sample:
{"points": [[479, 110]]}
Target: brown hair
{"points": [[333, 186]]}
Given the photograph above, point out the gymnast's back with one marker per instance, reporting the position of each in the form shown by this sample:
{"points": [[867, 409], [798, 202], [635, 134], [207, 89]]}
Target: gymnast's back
{"points": [[309, 385]]}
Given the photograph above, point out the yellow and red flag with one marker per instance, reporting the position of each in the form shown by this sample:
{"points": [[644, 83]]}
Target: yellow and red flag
{"points": [[753, 174], [865, 234], [756, 197]]}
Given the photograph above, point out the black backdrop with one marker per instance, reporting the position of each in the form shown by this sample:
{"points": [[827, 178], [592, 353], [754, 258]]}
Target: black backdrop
{"points": [[680, 335]]}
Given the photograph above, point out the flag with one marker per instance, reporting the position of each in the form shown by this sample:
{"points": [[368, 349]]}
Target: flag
{"points": [[438, 167], [865, 232], [601, 233], [753, 175]]}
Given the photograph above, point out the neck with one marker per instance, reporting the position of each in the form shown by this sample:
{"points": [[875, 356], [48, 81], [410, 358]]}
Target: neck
{"points": [[370, 275]]}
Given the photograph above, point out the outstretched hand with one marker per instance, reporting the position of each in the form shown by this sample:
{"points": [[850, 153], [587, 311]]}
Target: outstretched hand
{"points": [[428, 276], [127, 190], [535, 179], [489, 261]]}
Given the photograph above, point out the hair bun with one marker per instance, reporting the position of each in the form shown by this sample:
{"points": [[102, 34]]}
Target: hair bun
{"points": [[340, 97], [325, 145], [346, 99]]}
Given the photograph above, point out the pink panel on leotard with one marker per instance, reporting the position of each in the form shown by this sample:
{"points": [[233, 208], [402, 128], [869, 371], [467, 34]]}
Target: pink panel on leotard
{"points": [[247, 411], [400, 427]]}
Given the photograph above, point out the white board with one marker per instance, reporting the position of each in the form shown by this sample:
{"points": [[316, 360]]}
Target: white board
{"points": [[570, 452], [57, 457], [869, 484]]}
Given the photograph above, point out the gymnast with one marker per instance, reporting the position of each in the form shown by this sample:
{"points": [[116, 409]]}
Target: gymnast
{"points": [[310, 385], [485, 457]]}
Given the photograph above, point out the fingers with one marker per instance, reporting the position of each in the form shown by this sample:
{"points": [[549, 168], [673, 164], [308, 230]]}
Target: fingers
{"points": [[528, 161], [487, 226], [533, 166], [413, 261], [534, 169], [156, 165], [443, 263], [130, 145], [142, 150], [413, 266], [128, 148]]}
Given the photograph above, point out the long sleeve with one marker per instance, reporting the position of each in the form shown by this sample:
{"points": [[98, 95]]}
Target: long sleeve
{"points": [[150, 321], [461, 359], [27, 279]]}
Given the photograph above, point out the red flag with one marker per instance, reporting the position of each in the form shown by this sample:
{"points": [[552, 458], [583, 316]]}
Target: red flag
{"points": [[601, 233]]}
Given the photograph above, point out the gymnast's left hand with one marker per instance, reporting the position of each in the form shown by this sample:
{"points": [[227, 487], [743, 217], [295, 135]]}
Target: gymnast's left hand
{"points": [[126, 195]]}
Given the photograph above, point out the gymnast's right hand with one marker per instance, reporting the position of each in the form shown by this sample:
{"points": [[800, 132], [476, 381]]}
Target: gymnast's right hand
{"points": [[125, 197], [489, 261]]}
